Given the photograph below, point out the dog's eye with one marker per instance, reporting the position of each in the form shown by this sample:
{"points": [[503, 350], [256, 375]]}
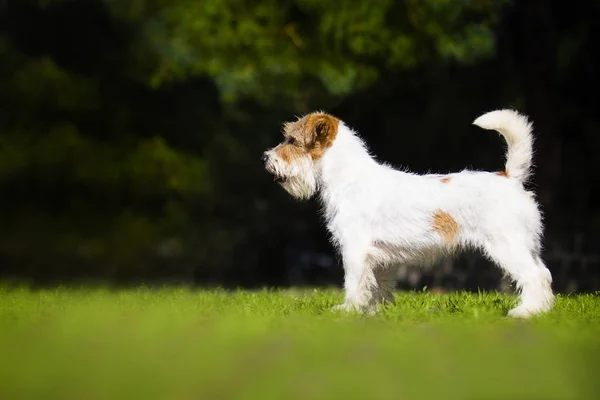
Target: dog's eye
{"points": [[291, 140]]}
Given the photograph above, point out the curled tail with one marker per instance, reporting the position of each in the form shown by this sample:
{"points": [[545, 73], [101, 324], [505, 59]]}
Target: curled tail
{"points": [[516, 130]]}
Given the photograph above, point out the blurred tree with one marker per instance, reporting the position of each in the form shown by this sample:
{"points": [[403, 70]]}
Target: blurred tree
{"points": [[302, 50], [107, 161], [90, 185], [130, 131]]}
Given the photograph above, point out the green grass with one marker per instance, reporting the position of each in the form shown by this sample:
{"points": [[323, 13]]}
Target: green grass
{"points": [[175, 343]]}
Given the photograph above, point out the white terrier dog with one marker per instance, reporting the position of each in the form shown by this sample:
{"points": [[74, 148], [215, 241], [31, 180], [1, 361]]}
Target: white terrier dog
{"points": [[381, 218]]}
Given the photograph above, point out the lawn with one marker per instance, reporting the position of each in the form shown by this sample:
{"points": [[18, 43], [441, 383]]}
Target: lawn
{"points": [[178, 343]]}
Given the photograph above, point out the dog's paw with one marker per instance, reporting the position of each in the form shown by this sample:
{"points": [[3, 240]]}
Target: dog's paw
{"points": [[343, 308], [525, 312], [351, 308], [519, 312]]}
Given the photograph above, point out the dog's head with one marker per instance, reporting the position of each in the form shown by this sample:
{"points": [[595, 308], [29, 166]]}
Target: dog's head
{"points": [[292, 162]]}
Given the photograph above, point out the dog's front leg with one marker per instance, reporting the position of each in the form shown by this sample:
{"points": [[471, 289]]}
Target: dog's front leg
{"points": [[360, 283]]}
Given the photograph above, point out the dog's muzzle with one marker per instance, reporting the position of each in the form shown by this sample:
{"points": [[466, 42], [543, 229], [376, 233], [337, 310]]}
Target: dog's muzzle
{"points": [[276, 177]]}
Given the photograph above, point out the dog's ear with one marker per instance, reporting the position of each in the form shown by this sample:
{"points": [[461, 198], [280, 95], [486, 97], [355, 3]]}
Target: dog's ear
{"points": [[323, 129]]}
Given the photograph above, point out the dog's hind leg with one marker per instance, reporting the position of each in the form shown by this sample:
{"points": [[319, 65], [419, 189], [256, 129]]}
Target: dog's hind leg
{"points": [[386, 277], [530, 274]]}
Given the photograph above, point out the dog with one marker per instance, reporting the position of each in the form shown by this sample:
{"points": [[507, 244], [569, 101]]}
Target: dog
{"points": [[380, 217]]}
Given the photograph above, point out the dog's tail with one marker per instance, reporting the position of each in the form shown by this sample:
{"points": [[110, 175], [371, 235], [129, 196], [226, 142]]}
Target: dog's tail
{"points": [[516, 130]]}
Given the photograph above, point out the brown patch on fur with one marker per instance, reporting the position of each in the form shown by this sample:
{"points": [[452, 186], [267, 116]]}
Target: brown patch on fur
{"points": [[311, 135], [445, 225], [289, 152], [503, 173], [446, 179]]}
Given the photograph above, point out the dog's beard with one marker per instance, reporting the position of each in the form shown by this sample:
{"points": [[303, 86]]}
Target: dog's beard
{"points": [[301, 187], [298, 178]]}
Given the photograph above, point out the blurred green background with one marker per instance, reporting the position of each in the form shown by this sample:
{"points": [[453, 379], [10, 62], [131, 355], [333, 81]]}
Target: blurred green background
{"points": [[131, 131], [177, 343]]}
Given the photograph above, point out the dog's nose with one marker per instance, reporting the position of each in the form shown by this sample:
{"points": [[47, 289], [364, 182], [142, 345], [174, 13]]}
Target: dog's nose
{"points": [[264, 158]]}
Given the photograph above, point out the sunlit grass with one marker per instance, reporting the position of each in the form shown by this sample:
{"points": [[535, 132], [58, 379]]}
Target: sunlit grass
{"points": [[176, 343]]}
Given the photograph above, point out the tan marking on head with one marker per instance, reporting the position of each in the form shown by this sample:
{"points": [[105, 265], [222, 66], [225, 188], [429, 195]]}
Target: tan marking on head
{"points": [[288, 152], [311, 135], [446, 179], [445, 225], [502, 173]]}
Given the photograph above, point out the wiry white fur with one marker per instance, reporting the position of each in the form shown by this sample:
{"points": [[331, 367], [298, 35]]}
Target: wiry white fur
{"points": [[516, 129], [381, 218]]}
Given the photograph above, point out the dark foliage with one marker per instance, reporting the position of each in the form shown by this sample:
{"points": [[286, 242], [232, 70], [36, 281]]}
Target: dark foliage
{"points": [[131, 131]]}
